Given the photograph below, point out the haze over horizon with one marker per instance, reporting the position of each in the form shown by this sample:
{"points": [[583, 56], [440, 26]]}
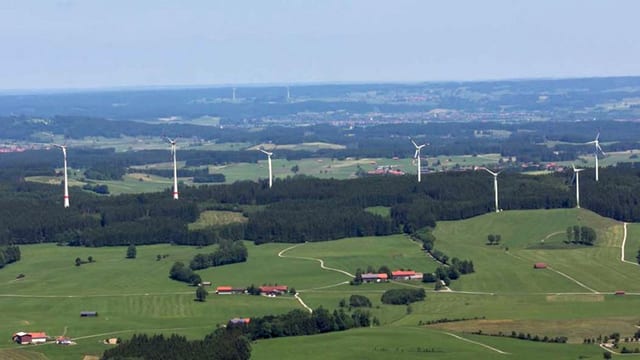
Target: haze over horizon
{"points": [[71, 44]]}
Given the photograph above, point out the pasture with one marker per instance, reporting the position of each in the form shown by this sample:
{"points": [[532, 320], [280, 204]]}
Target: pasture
{"points": [[505, 294]]}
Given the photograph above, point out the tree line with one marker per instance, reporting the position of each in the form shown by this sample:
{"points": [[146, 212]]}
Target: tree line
{"points": [[222, 344], [298, 322], [8, 255], [228, 252]]}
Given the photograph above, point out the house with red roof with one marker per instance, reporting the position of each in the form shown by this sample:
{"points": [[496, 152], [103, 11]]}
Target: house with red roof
{"points": [[224, 290], [273, 290], [240, 321], [24, 338], [406, 275], [372, 277]]}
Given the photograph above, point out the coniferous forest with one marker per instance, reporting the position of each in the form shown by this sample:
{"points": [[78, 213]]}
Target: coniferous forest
{"points": [[297, 209]]}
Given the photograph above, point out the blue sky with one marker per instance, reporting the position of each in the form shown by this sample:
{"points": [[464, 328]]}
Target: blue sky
{"points": [[111, 43]]}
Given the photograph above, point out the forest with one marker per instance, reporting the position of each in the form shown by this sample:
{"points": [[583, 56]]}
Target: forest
{"points": [[289, 212], [222, 344]]}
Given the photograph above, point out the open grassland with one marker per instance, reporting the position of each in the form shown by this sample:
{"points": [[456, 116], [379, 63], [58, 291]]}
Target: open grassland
{"points": [[396, 251], [414, 343], [598, 268], [212, 218], [505, 294]]}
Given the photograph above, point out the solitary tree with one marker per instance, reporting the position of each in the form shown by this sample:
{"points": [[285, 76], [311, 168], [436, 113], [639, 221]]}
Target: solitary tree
{"points": [[201, 294], [131, 252], [78, 261]]}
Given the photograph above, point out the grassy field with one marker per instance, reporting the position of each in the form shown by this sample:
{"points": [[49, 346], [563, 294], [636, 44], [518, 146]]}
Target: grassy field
{"points": [[213, 218], [505, 294], [414, 343], [318, 167]]}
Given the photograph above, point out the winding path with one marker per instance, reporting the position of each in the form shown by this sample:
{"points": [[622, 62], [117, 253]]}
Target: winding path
{"points": [[281, 254], [297, 296], [624, 241], [477, 343]]}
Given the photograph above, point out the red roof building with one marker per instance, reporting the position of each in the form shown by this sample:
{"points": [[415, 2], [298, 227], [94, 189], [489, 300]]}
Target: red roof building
{"points": [[273, 290], [223, 290], [406, 275], [540, 265]]}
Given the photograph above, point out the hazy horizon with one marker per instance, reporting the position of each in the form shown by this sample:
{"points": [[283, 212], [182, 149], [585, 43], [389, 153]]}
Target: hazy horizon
{"points": [[95, 45]]}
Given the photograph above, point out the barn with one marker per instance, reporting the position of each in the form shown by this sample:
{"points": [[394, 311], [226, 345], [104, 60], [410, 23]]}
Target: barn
{"points": [[540, 265], [88, 313]]}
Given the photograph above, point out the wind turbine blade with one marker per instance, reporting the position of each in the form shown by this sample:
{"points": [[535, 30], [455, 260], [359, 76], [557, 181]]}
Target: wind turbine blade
{"points": [[597, 137], [599, 148], [414, 143]]}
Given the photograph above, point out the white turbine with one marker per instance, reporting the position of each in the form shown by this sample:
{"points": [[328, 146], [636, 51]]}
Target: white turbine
{"points": [[175, 168], [495, 185], [269, 163], [576, 174], [417, 156], [66, 178], [596, 142]]}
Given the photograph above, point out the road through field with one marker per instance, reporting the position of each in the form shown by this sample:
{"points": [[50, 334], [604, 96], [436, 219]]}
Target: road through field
{"points": [[624, 241], [477, 343]]}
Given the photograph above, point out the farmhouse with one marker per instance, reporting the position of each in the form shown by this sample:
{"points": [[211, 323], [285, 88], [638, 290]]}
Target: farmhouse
{"points": [[273, 290], [228, 290], [88, 313], [61, 340], [406, 275], [224, 290], [619, 292], [24, 338], [540, 265], [371, 277], [240, 321], [205, 283]]}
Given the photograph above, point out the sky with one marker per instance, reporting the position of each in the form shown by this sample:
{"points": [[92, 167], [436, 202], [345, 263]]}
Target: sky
{"points": [[71, 44]]}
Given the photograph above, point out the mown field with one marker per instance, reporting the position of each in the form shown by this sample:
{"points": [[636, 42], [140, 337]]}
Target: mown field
{"points": [[505, 294]]}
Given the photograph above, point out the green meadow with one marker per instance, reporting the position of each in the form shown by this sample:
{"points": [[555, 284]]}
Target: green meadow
{"points": [[572, 298]]}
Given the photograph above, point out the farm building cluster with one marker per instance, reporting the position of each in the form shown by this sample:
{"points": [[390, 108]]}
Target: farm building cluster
{"points": [[395, 275]]}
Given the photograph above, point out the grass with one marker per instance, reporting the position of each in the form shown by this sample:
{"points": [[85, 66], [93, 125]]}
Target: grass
{"points": [[498, 270], [137, 296], [411, 343], [383, 211], [212, 218]]}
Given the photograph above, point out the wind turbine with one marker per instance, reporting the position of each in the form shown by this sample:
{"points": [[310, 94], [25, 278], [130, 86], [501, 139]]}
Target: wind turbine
{"points": [[269, 162], [495, 185], [576, 175], [175, 168], [66, 178], [596, 142], [417, 156]]}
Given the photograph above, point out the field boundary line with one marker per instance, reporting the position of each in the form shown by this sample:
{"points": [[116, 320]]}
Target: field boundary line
{"points": [[477, 343], [281, 254]]}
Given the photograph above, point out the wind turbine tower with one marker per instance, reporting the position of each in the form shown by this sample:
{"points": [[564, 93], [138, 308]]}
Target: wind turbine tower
{"points": [[288, 94], [175, 168], [269, 163], [495, 185], [66, 178], [417, 156], [576, 174], [233, 95], [596, 142]]}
